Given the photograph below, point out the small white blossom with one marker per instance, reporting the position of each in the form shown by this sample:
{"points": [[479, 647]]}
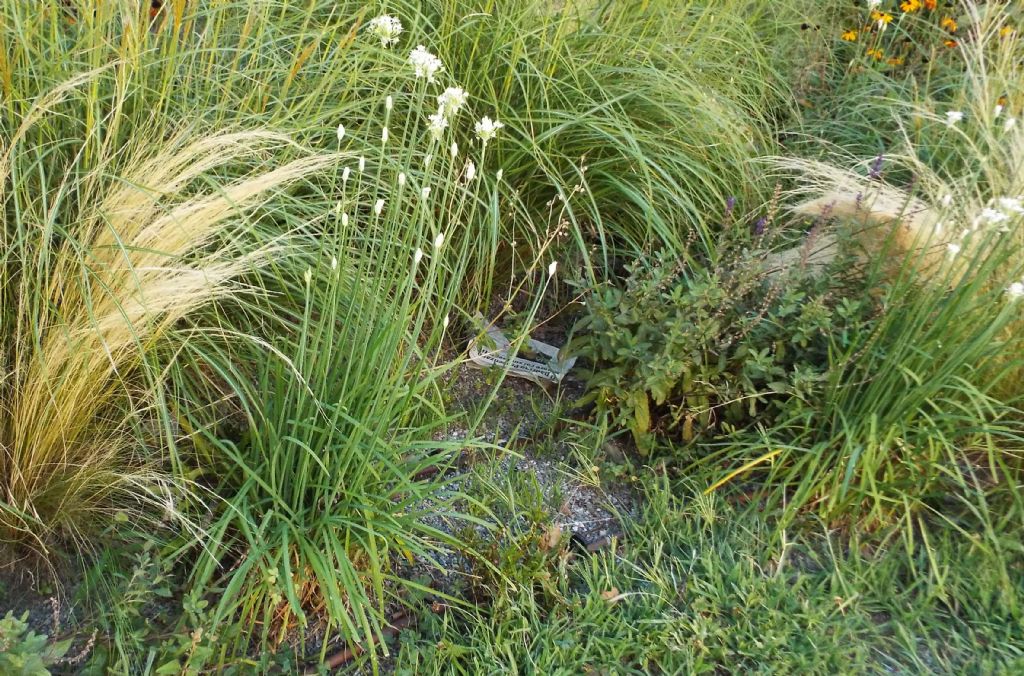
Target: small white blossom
{"points": [[872, 4], [499, 175], [992, 216], [487, 129], [470, 171], [362, 164], [341, 132], [1011, 204], [1016, 290], [425, 193], [387, 28], [455, 149], [389, 103], [451, 100], [952, 249], [1010, 123], [344, 220], [445, 321], [427, 160], [998, 110], [337, 208], [417, 256], [401, 179], [384, 135], [552, 268], [954, 116], [438, 123], [334, 262], [378, 207], [947, 200], [307, 275], [424, 63], [439, 241]]}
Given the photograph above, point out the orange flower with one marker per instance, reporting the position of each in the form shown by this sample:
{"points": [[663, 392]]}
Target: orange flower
{"points": [[895, 61], [849, 35], [1007, 31], [930, 4], [877, 54], [951, 43], [910, 5], [949, 23]]}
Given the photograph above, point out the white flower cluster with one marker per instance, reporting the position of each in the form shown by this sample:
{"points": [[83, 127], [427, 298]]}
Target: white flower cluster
{"points": [[387, 28], [487, 129], [424, 63], [996, 215]]}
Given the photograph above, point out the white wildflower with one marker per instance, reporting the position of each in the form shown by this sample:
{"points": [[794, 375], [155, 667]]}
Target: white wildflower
{"points": [[439, 241], [389, 103], [872, 4], [417, 256], [947, 200], [487, 129], [954, 116], [552, 268], [1013, 204], [445, 322], [344, 220], [334, 262], [499, 175], [451, 100], [438, 123], [401, 179], [387, 28], [470, 171], [455, 149], [384, 135], [307, 275], [998, 110], [952, 249], [424, 63], [1015, 290], [341, 132], [1010, 123], [992, 216], [378, 207], [345, 173], [425, 193], [362, 164], [427, 160]]}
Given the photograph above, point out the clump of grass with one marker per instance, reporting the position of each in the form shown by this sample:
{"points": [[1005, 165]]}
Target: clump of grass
{"points": [[100, 262]]}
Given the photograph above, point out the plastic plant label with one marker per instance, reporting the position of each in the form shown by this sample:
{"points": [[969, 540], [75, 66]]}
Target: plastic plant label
{"points": [[493, 349]]}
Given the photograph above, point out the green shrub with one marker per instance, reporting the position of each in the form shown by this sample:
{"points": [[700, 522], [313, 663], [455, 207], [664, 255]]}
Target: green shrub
{"points": [[687, 352]]}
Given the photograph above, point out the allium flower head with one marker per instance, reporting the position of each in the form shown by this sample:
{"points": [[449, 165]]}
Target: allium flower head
{"points": [[439, 241], [345, 173], [424, 63], [998, 110], [954, 116], [401, 179], [389, 103], [378, 207], [344, 220], [387, 28], [417, 256], [487, 129], [1010, 123], [455, 149], [1016, 290], [1013, 204], [384, 135], [952, 249], [425, 193], [470, 171], [552, 268], [992, 216], [362, 164], [341, 132], [451, 100], [438, 123]]}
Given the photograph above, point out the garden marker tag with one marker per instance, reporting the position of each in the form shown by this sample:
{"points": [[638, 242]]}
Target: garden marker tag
{"points": [[492, 349]]}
